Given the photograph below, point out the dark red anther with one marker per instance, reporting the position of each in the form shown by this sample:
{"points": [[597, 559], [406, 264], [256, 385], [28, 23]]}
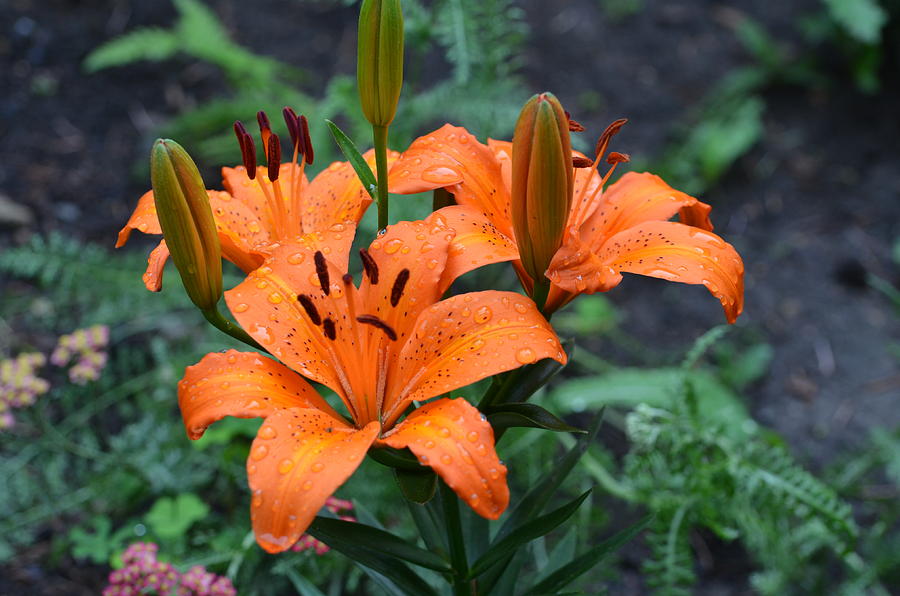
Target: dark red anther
{"points": [[378, 323], [293, 126], [615, 157], [608, 134], [581, 162], [574, 125], [310, 308], [248, 150], [347, 279], [399, 285], [369, 266], [263, 121], [307, 141], [322, 272], [274, 154], [329, 329]]}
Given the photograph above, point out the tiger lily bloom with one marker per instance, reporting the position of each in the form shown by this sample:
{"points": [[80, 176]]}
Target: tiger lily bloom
{"points": [[621, 229], [265, 205], [380, 347]]}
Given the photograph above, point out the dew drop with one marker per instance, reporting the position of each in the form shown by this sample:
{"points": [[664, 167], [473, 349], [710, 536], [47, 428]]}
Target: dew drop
{"points": [[429, 444], [239, 308], [440, 175], [307, 485], [446, 459], [392, 245], [483, 315], [317, 467], [268, 432], [275, 298], [259, 452], [444, 432], [472, 436], [526, 356], [285, 466], [520, 308], [296, 258]]}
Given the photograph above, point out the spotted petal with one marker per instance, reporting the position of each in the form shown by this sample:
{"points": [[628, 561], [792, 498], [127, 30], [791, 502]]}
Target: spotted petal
{"points": [[454, 439], [467, 338], [299, 458], [243, 385]]}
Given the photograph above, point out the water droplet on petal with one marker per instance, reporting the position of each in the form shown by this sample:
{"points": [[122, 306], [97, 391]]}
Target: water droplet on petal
{"points": [[307, 485], [285, 466], [259, 452], [268, 432], [444, 432], [392, 245], [275, 298], [472, 436], [483, 315], [446, 459], [526, 356], [440, 175], [239, 308], [429, 444], [296, 258], [317, 467]]}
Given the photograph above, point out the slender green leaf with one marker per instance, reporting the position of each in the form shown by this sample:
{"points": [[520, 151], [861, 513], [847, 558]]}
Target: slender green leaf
{"points": [[525, 533], [536, 499], [526, 415], [367, 544], [568, 573], [418, 487], [360, 166]]}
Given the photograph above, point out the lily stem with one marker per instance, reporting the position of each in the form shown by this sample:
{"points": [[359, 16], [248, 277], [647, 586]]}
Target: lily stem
{"points": [[225, 326], [455, 541], [540, 293], [380, 134]]}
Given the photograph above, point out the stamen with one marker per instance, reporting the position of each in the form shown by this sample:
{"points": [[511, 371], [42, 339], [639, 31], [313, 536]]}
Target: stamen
{"points": [[310, 308], [265, 129], [248, 151], [608, 134], [322, 272], [274, 154], [399, 285], [574, 125], [307, 141], [581, 162], [369, 266], [378, 323], [290, 119], [615, 157], [347, 279], [328, 327]]}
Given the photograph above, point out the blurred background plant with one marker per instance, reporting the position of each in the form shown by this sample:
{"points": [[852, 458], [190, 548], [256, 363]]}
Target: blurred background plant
{"points": [[100, 465]]}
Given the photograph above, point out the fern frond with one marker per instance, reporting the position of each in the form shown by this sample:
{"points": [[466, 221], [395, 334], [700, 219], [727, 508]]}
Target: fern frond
{"points": [[151, 44]]}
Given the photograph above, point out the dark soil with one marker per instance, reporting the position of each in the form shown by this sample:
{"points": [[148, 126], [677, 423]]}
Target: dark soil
{"points": [[813, 208]]}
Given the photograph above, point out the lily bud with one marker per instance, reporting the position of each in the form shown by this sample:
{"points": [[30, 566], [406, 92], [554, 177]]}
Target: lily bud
{"points": [[379, 65], [187, 223], [542, 182]]}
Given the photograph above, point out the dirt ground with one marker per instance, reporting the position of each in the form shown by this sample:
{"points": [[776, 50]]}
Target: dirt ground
{"points": [[813, 208]]}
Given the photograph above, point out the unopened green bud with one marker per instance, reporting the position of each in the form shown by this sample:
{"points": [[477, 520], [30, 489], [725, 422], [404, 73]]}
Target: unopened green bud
{"points": [[182, 206], [379, 65], [542, 182]]}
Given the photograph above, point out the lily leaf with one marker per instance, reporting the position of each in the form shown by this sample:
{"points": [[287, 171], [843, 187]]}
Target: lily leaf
{"points": [[526, 415], [525, 533], [375, 548], [418, 487], [568, 573], [360, 166], [400, 459]]}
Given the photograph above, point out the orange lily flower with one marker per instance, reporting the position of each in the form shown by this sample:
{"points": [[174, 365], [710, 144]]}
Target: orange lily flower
{"points": [[379, 347], [622, 229], [262, 206]]}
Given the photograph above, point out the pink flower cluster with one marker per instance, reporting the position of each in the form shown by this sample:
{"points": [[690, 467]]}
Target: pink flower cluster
{"points": [[19, 384], [143, 574], [88, 346], [336, 506]]}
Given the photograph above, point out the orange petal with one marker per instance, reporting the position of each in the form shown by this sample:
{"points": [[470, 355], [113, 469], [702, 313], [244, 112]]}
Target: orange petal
{"points": [[243, 385], [663, 249], [237, 220], [143, 219], [637, 198], [267, 307], [453, 437], [299, 458], [336, 196], [155, 266], [477, 243], [464, 339], [677, 252], [451, 157]]}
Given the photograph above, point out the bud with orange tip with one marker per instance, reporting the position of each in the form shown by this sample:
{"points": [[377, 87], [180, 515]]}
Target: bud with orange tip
{"points": [[542, 185]]}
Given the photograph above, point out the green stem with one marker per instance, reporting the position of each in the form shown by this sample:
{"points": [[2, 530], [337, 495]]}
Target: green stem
{"points": [[539, 294], [380, 134], [455, 541], [225, 326]]}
